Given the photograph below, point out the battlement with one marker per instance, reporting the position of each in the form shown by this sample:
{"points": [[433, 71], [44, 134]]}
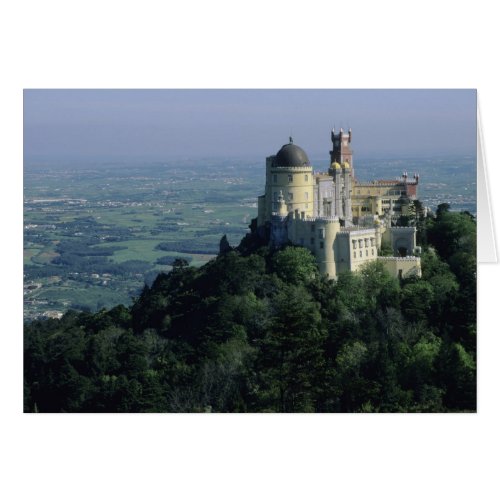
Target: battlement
{"points": [[321, 219], [391, 182], [401, 259], [300, 168], [276, 216], [402, 267], [322, 175], [356, 230], [378, 183], [387, 183]]}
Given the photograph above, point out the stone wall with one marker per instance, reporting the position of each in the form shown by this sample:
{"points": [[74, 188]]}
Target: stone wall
{"points": [[402, 267]]}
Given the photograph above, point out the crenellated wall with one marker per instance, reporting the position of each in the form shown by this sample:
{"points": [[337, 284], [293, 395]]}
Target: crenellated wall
{"points": [[402, 267]]}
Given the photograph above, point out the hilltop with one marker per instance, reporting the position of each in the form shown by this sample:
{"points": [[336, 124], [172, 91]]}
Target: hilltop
{"points": [[256, 330]]}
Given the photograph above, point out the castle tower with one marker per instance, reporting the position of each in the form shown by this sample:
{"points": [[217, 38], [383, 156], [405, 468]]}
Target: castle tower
{"points": [[289, 175], [342, 172], [341, 149]]}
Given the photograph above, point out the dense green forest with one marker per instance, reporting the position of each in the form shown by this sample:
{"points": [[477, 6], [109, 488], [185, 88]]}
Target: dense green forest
{"points": [[260, 331]]}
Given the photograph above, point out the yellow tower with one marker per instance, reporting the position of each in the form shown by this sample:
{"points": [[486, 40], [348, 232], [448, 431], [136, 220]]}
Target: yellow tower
{"points": [[290, 174]]}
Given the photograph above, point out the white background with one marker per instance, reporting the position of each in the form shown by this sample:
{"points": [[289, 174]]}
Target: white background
{"points": [[244, 44]]}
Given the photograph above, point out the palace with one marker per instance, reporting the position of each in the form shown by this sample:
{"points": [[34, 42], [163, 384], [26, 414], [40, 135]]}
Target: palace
{"points": [[343, 222]]}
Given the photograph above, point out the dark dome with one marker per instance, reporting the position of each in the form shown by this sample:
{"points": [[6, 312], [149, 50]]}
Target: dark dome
{"points": [[291, 155]]}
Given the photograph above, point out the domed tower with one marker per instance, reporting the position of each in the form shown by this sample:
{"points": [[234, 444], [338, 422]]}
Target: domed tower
{"points": [[289, 172]]}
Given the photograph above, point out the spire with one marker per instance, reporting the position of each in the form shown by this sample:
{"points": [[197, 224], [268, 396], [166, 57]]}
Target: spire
{"points": [[291, 140]]}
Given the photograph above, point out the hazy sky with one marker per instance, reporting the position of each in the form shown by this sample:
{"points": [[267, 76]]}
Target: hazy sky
{"points": [[165, 124]]}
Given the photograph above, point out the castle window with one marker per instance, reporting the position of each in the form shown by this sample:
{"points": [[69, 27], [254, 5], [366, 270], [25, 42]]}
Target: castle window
{"points": [[321, 244], [354, 254], [306, 177], [313, 227], [321, 233], [290, 178], [302, 242], [312, 241], [307, 205], [307, 195], [275, 178], [366, 253], [354, 244], [275, 196], [290, 196], [373, 252], [360, 243]]}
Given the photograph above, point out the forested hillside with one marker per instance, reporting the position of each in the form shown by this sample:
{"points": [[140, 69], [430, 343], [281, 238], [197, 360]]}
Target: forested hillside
{"points": [[260, 331]]}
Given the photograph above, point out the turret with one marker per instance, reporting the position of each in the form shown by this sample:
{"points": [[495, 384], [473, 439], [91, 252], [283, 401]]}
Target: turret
{"points": [[341, 150], [289, 182]]}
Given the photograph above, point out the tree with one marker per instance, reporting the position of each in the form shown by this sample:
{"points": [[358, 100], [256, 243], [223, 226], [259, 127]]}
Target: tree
{"points": [[295, 265], [458, 375], [385, 250], [379, 287], [452, 232], [416, 300], [291, 358]]}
